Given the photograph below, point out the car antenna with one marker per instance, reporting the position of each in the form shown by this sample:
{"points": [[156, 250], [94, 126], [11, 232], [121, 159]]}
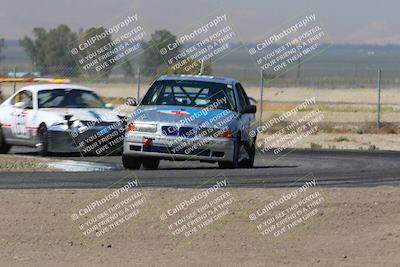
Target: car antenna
{"points": [[201, 68]]}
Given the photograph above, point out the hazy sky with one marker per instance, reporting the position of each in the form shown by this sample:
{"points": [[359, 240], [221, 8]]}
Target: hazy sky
{"points": [[346, 21]]}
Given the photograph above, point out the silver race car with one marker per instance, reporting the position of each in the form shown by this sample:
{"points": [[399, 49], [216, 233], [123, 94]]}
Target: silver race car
{"points": [[188, 117], [60, 118]]}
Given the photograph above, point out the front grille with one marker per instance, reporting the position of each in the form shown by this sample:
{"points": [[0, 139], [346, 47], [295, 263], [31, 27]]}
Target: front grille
{"points": [[135, 148], [98, 123], [93, 140], [218, 154], [187, 132], [169, 130]]}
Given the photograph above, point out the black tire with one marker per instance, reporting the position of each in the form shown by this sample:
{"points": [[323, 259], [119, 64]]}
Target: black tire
{"points": [[131, 163], [4, 147], [235, 161], [251, 151], [43, 136], [151, 163]]}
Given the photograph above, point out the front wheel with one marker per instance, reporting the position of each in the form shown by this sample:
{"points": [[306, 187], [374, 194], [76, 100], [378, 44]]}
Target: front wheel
{"points": [[235, 161], [4, 147], [43, 134], [131, 163], [251, 151]]}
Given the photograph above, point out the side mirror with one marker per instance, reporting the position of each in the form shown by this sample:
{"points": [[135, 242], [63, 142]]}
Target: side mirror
{"points": [[250, 109], [253, 100], [20, 105], [131, 101], [109, 106]]}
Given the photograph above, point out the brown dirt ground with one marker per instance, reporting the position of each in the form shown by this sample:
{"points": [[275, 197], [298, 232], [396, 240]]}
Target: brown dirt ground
{"points": [[353, 227]]}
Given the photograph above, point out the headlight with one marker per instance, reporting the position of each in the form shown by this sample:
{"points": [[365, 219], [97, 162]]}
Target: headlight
{"points": [[142, 127], [77, 123]]}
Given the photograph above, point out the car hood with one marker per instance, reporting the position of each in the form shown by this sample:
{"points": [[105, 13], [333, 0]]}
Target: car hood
{"points": [[86, 114], [183, 115]]}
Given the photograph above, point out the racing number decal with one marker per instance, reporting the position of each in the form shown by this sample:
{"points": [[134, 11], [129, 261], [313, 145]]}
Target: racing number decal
{"points": [[19, 127]]}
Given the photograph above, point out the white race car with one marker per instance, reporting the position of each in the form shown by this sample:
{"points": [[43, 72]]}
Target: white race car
{"points": [[60, 118]]}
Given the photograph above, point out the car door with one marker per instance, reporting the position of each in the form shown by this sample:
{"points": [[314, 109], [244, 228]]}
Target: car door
{"points": [[246, 119], [21, 116]]}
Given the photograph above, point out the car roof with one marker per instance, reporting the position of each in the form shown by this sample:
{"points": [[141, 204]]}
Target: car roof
{"points": [[201, 78], [39, 87]]}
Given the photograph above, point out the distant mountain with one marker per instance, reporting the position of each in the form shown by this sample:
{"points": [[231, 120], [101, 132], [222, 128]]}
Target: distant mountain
{"points": [[11, 43]]}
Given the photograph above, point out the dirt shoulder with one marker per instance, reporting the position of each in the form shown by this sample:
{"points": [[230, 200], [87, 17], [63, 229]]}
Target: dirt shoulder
{"points": [[14, 163], [352, 227]]}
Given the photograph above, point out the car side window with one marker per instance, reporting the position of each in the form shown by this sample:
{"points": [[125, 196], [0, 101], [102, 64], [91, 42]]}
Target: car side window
{"points": [[23, 96], [246, 98], [243, 99]]}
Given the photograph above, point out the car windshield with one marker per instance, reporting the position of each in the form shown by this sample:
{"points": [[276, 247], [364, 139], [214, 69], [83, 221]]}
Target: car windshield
{"points": [[190, 93], [69, 98]]}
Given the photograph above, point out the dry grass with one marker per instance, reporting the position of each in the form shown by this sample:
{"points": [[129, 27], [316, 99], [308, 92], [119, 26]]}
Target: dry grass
{"points": [[358, 128], [10, 163], [285, 106], [340, 127]]}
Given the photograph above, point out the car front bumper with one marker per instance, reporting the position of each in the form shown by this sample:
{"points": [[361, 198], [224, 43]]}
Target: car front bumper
{"points": [[174, 148], [87, 143]]}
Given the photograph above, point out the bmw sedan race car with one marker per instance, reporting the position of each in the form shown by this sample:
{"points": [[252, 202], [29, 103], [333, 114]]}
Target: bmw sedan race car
{"points": [[61, 118], [188, 117]]}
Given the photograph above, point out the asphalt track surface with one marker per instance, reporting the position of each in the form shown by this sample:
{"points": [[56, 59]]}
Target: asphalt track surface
{"points": [[289, 168]]}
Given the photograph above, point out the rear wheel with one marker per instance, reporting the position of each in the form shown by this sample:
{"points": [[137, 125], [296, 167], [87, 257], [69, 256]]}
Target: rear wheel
{"points": [[235, 161], [43, 136], [131, 163], [151, 163], [4, 147]]}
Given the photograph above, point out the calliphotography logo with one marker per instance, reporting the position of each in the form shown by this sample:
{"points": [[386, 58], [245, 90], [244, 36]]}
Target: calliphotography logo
{"points": [[103, 48], [104, 133], [109, 212], [281, 132], [201, 44], [281, 216], [289, 46], [193, 215], [121, 110]]}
